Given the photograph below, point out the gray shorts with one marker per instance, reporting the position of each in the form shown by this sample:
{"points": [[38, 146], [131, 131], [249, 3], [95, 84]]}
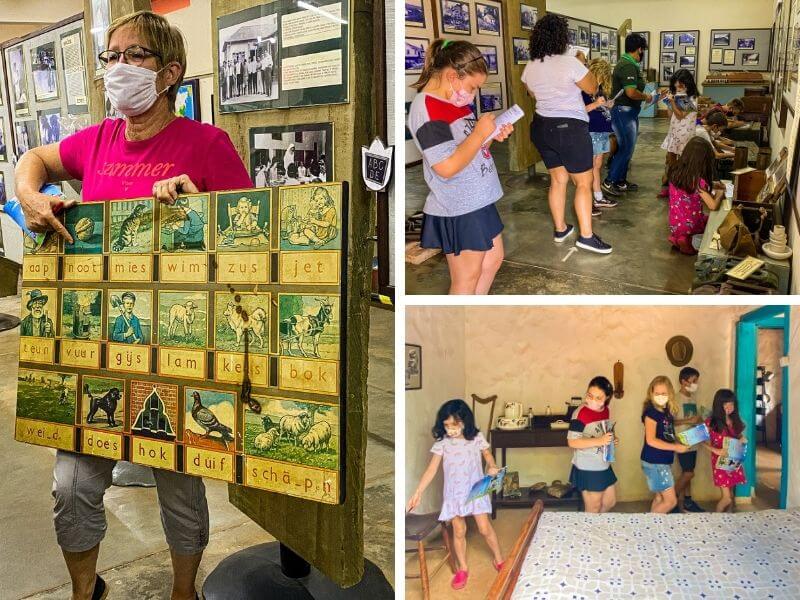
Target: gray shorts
{"points": [[79, 483]]}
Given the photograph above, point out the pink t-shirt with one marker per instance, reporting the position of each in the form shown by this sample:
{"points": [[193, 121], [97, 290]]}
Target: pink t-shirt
{"points": [[111, 167]]}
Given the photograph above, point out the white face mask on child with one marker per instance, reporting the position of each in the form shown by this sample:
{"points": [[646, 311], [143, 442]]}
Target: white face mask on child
{"points": [[691, 388], [454, 432], [661, 400]]}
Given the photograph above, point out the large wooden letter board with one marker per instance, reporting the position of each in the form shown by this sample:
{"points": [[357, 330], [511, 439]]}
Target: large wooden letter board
{"points": [[205, 337]]}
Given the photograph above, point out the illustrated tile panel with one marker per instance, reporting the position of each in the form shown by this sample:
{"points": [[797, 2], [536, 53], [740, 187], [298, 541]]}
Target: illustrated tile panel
{"points": [[242, 321], [82, 314], [103, 401], [183, 319], [184, 226], [209, 418], [311, 217], [309, 325], [47, 396], [84, 222], [243, 220], [38, 312], [131, 226], [154, 410], [130, 316]]}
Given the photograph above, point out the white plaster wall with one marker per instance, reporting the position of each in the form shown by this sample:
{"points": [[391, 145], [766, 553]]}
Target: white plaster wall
{"points": [[440, 332], [793, 497], [770, 351], [545, 355]]}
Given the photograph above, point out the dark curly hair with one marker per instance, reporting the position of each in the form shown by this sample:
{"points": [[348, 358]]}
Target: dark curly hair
{"points": [[718, 416], [459, 410], [550, 36], [604, 385]]}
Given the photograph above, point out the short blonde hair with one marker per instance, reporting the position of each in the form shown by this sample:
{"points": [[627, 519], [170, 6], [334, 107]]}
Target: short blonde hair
{"points": [[160, 36]]}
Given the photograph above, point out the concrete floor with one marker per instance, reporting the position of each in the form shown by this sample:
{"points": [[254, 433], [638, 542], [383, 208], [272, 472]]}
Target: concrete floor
{"points": [[642, 262], [134, 558]]}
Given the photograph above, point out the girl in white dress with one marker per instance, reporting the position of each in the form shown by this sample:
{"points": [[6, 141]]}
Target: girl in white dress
{"points": [[682, 105], [459, 447]]}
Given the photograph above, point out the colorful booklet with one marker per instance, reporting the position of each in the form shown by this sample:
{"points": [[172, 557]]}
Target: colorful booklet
{"points": [[487, 485], [696, 435], [736, 453], [608, 449]]}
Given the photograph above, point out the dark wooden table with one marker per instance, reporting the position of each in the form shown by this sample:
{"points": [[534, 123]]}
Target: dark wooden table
{"points": [[540, 436]]}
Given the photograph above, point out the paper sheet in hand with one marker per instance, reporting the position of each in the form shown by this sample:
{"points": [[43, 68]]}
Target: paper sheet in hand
{"points": [[695, 435], [487, 485], [509, 117]]}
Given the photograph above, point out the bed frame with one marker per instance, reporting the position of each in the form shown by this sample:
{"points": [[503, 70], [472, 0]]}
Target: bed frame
{"points": [[506, 579]]}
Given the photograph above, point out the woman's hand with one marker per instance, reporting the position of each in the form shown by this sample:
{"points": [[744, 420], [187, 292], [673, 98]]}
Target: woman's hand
{"points": [[167, 191], [413, 502], [41, 212], [505, 131]]}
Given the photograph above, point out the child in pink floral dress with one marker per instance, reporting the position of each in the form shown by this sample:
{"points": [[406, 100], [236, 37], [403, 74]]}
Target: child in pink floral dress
{"points": [[725, 422], [690, 179], [459, 447]]}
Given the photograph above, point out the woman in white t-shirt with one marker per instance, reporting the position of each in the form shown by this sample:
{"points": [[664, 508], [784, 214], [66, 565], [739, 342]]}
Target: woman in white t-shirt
{"points": [[555, 78]]}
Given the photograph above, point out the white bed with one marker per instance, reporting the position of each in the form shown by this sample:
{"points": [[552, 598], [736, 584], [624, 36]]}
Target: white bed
{"points": [[573, 556]]}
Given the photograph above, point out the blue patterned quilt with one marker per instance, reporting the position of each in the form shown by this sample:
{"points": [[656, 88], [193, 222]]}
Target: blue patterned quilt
{"points": [[741, 556]]}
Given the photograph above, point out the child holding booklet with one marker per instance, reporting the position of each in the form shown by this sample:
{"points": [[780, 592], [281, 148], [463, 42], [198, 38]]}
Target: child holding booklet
{"points": [[460, 216], [687, 417], [682, 105], [589, 435], [725, 423], [459, 447]]}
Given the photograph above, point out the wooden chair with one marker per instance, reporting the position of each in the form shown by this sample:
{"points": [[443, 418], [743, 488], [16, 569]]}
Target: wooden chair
{"points": [[419, 527], [489, 400]]}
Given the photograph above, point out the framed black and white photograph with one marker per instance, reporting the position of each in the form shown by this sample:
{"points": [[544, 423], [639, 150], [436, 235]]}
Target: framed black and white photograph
{"points": [[668, 72], [3, 151], [19, 85], [291, 154], [721, 38], [668, 57], [687, 62], [3, 196], [187, 102], [49, 126], [668, 40], [583, 36], [455, 17], [746, 44], [716, 56], [687, 38], [528, 16], [413, 367], [750, 59], [416, 49], [595, 40], [690, 50], [489, 54], [415, 13], [248, 61], [43, 68], [25, 136], [572, 37], [604, 40], [490, 97], [487, 19], [522, 51], [729, 58], [101, 19]]}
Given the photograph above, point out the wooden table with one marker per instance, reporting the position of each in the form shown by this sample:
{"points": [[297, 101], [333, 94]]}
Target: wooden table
{"points": [[540, 436]]}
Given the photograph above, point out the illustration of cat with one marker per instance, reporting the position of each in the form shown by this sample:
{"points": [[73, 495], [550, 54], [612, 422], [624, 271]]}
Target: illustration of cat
{"points": [[129, 229]]}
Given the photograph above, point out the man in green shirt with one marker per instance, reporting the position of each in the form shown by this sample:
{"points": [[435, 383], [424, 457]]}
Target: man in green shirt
{"points": [[625, 113]]}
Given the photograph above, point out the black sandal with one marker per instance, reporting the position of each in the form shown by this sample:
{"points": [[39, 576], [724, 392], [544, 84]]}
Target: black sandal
{"points": [[100, 589]]}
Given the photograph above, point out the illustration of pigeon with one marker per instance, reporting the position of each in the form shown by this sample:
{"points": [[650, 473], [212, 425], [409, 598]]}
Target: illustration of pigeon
{"points": [[208, 420]]}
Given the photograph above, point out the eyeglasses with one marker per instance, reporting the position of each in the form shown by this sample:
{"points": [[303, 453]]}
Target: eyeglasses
{"points": [[134, 55]]}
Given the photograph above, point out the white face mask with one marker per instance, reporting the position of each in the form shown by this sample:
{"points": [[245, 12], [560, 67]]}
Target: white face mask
{"points": [[130, 89], [661, 400], [692, 388], [454, 431]]}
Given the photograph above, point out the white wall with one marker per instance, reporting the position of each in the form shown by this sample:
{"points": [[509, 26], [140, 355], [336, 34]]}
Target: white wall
{"points": [[657, 15]]}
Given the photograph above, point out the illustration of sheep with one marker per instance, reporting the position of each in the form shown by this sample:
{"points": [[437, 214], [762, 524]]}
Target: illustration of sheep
{"points": [[265, 441], [292, 427], [318, 437]]}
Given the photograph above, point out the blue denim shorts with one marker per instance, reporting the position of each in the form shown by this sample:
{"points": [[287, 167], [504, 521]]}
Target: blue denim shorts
{"points": [[600, 142], [659, 477]]}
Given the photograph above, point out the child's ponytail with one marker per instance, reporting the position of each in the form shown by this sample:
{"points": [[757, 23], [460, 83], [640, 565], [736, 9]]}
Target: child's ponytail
{"points": [[462, 56]]}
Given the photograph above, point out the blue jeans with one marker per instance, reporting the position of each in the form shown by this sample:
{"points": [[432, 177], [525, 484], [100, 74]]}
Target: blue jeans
{"points": [[625, 122]]}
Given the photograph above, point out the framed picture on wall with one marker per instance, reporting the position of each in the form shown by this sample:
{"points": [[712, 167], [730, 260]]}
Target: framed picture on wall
{"points": [[416, 49], [187, 103], [101, 19], [716, 56], [595, 40], [572, 36], [291, 154], [43, 68], [491, 97], [19, 80], [669, 57], [729, 57], [455, 17], [604, 40], [2, 189], [721, 38], [690, 50], [668, 72], [487, 19], [667, 40], [50, 130], [583, 36], [746, 44], [528, 16], [3, 151], [490, 56], [522, 51], [750, 59], [687, 62], [24, 136], [687, 38], [413, 367], [405, 120], [415, 13]]}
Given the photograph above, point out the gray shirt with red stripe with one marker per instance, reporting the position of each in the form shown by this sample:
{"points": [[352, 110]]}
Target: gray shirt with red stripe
{"points": [[438, 127]]}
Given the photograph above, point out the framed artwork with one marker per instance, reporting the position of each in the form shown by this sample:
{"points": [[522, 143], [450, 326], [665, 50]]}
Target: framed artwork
{"points": [[416, 49], [291, 154], [668, 72], [669, 57], [690, 50], [3, 151], [572, 36], [667, 40], [101, 19], [721, 38], [522, 51], [490, 97], [3, 196], [687, 38], [529, 14], [187, 103], [595, 40], [43, 69], [455, 17], [413, 367], [72, 57], [415, 13], [19, 79], [750, 59], [50, 130], [25, 136], [583, 36], [746, 44], [716, 56], [729, 57], [604, 40], [490, 56], [687, 62], [487, 19]]}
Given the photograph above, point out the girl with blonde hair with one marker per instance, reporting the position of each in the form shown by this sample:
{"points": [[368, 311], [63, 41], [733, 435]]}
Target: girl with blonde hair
{"points": [[598, 108], [658, 451]]}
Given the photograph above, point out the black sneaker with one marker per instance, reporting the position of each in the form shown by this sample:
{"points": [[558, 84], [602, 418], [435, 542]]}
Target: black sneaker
{"points": [[100, 590], [675, 511], [690, 505], [593, 244], [596, 212], [612, 189], [560, 236], [605, 202], [627, 186]]}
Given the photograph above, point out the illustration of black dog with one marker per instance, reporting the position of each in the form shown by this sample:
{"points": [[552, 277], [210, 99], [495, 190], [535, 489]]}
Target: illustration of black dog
{"points": [[108, 404]]}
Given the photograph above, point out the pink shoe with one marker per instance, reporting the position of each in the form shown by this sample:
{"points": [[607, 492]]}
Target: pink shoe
{"points": [[498, 566], [459, 580]]}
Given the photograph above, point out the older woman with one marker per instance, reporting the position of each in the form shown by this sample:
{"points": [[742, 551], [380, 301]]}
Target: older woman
{"points": [[149, 152], [560, 130]]}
